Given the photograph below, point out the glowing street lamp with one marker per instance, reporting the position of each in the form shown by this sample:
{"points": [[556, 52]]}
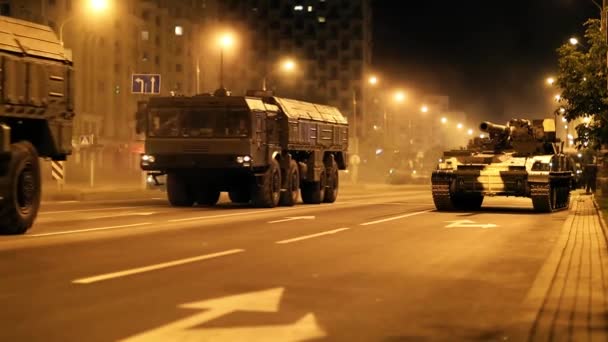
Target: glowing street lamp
{"points": [[424, 109], [399, 96], [470, 131], [373, 80], [482, 135], [573, 41], [459, 126], [225, 41], [557, 97], [94, 6], [444, 120], [288, 65], [99, 5], [562, 111], [550, 80]]}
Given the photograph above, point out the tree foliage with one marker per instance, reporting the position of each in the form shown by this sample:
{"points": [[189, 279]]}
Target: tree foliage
{"points": [[584, 86]]}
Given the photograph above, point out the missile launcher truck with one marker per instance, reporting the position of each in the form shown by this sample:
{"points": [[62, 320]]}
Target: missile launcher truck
{"points": [[261, 149], [36, 93], [522, 158]]}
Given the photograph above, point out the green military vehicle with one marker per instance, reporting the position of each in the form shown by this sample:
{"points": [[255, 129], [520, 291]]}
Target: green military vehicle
{"points": [[259, 148], [36, 93]]}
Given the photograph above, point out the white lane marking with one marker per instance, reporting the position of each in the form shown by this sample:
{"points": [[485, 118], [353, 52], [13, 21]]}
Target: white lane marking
{"points": [[287, 219], [305, 237], [469, 224], [130, 213], [396, 217], [149, 268], [253, 212], [90, 229], [83, 210]]}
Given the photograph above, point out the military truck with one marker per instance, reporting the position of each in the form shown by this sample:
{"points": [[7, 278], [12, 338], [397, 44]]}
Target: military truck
{"points": [[36, 92], [261, 149], [523, 158]]}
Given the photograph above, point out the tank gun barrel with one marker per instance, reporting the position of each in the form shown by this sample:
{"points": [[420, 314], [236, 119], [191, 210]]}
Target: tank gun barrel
{"points": [[494, 129]]}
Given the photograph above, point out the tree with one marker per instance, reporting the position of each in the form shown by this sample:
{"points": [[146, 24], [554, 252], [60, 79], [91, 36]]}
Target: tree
{"points": [[584, 85]]}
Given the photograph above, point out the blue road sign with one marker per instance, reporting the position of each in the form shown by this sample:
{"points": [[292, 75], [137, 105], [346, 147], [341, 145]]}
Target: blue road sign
{"points": [[145, 84]]}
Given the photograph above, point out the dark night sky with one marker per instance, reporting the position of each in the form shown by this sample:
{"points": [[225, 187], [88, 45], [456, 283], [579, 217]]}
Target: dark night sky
{"points": [[490, 57]]}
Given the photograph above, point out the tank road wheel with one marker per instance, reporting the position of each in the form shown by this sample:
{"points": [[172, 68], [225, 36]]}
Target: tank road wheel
{"points": [[267, 193], [207, 196], [542, 197], [179, 191], [289, 197], [442, 197], [467, 202], [20, 188], [314, 192], [331, 191], [239, 196]]}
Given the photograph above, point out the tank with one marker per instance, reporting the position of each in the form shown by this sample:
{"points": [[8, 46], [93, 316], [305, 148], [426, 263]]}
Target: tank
{"points": [[522, 158], [36, 113]]}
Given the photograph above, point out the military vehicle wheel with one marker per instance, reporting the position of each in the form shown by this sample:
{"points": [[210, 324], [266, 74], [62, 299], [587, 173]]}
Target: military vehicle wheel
{"points": [[179, 191], [289, 197], [208, 196], [268, 192], [239, 196], [20, 188], [314, 192], [331, 191], [467, 202]]}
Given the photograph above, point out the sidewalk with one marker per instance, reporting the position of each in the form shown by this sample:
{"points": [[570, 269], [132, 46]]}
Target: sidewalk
{"points": [[569, 298]]}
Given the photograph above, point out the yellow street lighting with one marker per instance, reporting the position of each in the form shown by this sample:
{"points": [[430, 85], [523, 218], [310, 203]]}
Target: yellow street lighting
{"points": [[573, 41], [225, 40], [288, 65], [586, 119], [470, 131], [399, 96], [557, 97], [373, 80], [99, 5], [459, 126], [444, 120], [562, 111], [550, 80], [482, 135], [424, 109]]}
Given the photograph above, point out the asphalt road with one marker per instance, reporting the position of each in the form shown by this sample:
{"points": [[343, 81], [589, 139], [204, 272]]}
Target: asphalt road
{"points": [[378, 265]]}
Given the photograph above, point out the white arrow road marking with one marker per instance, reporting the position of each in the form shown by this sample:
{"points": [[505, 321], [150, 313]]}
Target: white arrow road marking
{"points": [[90, 229], [469, 224], [306, 237], [287, 219], [395, 217], [188, 329], [131, 213], [138, 270]]}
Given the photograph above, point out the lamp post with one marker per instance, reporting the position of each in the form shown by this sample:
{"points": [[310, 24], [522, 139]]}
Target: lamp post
{"points": [[225, 41], [95, 6]]}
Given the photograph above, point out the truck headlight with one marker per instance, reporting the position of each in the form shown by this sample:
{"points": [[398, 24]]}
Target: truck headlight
{"points": [[243, 159], [148, 158]]}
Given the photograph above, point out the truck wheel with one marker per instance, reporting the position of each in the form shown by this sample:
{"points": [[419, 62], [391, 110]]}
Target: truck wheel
{"points": [[331, 191], [178, 191], [267, 193], [239, 196], [208, 196], [314, 192], [289, 197], [21, 189]]}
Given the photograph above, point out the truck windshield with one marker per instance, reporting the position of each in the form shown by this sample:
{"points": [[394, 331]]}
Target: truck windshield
{"points": [[204, 123]]}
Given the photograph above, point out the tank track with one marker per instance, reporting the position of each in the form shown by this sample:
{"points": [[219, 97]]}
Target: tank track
{"points": [[441, 197], [542, 197]]}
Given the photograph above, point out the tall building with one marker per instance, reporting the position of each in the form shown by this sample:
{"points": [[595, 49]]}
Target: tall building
{"points": [[131, 37], [330, 42]]}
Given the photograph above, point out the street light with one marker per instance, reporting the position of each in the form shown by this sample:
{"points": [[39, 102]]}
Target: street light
{"points": [[550, 80], [399, 96], [424, 109], [557, 97], [470, 131], [225, 41], [288, 65], [459, 126], [573, 41], [444, 120], [373, 80], [95, 6]]}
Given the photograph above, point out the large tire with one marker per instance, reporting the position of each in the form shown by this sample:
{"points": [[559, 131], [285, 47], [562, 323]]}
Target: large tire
{"points": [[267, 193], [331, 190], [179, 192], [289, 197], [20, 188], [239, 196], [207, 196], [314, 192]]}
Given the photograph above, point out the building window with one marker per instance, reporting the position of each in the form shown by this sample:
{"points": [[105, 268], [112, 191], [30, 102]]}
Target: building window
{"points": [[157, 60], [117, 68], [145, 15], [157, 40], [52, 2], [144, 57], [178, 67], [145, 35], [157, 20], [179, 31], [68, 5], [309, 8], [321, 20], [298, 8], [333, 73], [333, 92]]}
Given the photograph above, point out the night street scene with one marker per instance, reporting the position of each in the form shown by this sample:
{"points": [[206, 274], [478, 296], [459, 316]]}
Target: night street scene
{"points": [[303, 170]]}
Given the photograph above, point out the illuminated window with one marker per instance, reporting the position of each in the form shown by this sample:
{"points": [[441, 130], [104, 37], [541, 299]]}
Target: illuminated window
{"points": [[145, 35], [298, 8], [309, 8], [321, 19], [179, 31]]}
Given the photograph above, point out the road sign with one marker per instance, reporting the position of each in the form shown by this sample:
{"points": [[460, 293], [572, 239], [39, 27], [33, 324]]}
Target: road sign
{"points": [[192, 328], [85, 140], [57, 170], [145, 84]]}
